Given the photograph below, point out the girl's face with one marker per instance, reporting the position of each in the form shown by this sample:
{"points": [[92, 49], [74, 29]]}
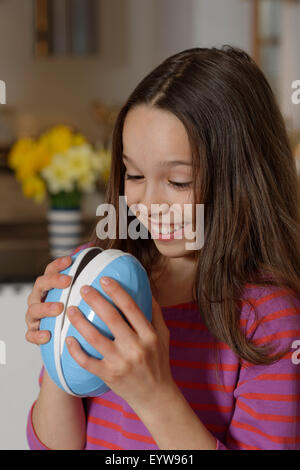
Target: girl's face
{"points": [[154, 142]]}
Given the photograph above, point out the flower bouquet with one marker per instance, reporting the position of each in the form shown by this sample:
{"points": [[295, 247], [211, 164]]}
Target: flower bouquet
{"points": [[60, 165]]}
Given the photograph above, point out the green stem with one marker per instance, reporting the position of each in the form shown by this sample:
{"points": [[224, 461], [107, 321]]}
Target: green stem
{"points": [[66, 200]]}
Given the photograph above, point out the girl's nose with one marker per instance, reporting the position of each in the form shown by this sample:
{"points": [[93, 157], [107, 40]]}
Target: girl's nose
{"points": [[152, 210], [152, 205]]}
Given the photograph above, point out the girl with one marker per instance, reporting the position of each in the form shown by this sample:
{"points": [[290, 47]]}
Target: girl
{"points": [[218, 367]]}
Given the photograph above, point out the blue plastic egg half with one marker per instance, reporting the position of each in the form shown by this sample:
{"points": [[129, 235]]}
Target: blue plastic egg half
{"points": [[88, 266]]}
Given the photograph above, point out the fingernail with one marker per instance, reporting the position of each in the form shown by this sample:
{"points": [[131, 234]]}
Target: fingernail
{"points": [[54, 308], [85, 289], [71, 311], [105, 280], [43, 335]]}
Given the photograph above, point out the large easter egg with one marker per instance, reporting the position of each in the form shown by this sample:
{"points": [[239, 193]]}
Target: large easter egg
{"points": [[88, 266]]}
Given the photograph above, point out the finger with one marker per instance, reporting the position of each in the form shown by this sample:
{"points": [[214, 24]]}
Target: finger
{"points": [[101, 343], [32, 325], [108, 313], [58, 264], [54, 267], [93, 365], [45, 283], [38, 337], [128, 307], [41, 310]]}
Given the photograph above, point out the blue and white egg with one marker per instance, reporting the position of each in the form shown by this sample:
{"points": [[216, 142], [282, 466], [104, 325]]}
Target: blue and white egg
{"points": [[88, 266]]}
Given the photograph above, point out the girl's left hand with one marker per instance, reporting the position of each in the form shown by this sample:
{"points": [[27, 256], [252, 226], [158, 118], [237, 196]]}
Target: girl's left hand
{"points": [[136, 364]]}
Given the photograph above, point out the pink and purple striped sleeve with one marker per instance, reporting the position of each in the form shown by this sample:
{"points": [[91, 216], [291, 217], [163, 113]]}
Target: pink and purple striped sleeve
{"points": [[267, 397]]}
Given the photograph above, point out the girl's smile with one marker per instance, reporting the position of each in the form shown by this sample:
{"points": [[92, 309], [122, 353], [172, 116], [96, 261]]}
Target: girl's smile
{"points": [[167, 233]]}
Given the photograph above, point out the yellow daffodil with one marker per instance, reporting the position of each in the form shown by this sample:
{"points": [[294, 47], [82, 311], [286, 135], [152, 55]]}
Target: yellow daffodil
{"points": [[79, 160], [19, 151], [58, 161], [86, 181], [60, 139], [57, 175], [43, 155], [34, 187], [78, 139]]}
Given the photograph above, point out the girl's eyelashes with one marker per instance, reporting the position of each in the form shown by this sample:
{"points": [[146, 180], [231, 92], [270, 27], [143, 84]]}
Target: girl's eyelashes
{"points": [[180, 185], [172, 183], [133, 177]]}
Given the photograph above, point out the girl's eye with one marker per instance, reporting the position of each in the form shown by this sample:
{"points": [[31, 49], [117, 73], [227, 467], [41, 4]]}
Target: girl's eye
{"points": [[180, 185], [172, 183], [131, 177]]}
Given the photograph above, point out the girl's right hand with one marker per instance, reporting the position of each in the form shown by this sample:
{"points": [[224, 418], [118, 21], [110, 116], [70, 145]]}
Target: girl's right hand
{"points": [[38, 309]]}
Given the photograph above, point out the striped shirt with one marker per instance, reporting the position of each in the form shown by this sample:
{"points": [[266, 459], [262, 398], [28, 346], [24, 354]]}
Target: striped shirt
{"points": [[246, 407]]}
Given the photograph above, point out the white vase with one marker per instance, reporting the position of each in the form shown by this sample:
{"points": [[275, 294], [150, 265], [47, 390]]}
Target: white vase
{"points": [[64, 230]]}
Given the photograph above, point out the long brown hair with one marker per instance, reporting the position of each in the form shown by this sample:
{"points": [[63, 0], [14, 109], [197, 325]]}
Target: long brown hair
{"points": [[244, 174]]}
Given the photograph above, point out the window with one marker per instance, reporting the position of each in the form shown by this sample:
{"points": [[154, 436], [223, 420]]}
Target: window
{"points": [[65, 27], [267, 38]]}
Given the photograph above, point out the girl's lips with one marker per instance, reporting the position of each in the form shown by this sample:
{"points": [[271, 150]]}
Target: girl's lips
{"points": [[154, 228], [168, 226], [169, 236]]}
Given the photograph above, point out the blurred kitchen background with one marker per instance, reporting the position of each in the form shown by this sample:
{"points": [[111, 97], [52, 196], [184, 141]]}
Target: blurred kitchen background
{"points": [[68, 66]]}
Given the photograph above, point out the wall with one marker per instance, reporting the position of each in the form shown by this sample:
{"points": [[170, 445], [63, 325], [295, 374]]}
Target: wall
{"points": [[290, 63], [134, 36], [201, 23], [218, 23], [19, 370], [62, 89]]}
